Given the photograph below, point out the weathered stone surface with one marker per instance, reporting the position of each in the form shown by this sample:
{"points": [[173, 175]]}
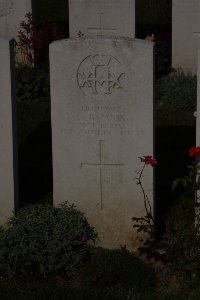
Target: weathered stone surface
{"points": [[197, 115], [185, 34], [102, 121], [102, 17], [12, 12], [8, 151]]}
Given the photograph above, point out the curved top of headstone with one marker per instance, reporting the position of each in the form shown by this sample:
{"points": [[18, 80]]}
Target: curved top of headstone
{"points": [[104, 38]]}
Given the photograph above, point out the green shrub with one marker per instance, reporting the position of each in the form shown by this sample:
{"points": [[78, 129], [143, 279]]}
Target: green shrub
{"points": [[183, 252], [43, 239], [182, 241], [176, 92], [32, 84]]}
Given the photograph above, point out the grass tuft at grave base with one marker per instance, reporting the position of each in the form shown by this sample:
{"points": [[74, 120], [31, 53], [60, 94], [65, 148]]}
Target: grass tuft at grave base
{"points": [[46, 254]]}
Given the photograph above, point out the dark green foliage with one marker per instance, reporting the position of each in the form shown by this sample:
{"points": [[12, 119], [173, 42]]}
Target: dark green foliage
{"points": [[30, 114], [183, 251], [53, 292], [33, 99], [162, 53], [188, 180], [55, 10], [116, 269], [43, 239], [32, 84], [182, 241], [153, 12], [176, 92]]}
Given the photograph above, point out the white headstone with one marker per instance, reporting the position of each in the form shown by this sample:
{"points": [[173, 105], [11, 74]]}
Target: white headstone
{"points": [[8, 151], [102, 121], [102, 17], [185, 34], [12, 13]]}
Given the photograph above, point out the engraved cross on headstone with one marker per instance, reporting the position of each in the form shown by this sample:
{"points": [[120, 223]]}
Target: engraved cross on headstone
{"points": [[197, 33], [102, 165], [101, 28]]}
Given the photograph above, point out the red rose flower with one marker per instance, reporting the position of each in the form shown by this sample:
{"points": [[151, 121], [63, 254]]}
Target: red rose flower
{"points": [[148, 160], [194, 151]]}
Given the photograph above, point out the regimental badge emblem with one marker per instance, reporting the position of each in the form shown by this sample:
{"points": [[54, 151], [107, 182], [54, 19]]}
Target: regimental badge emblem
{"points": [[100, 74], [6, 7]]}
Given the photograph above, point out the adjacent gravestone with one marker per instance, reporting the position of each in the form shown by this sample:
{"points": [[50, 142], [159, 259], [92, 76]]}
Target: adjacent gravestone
{"points": [[12, 13], [102, 121], [102, 17], [198, 103], [185, 34], [197, 208], [8, 149]]}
